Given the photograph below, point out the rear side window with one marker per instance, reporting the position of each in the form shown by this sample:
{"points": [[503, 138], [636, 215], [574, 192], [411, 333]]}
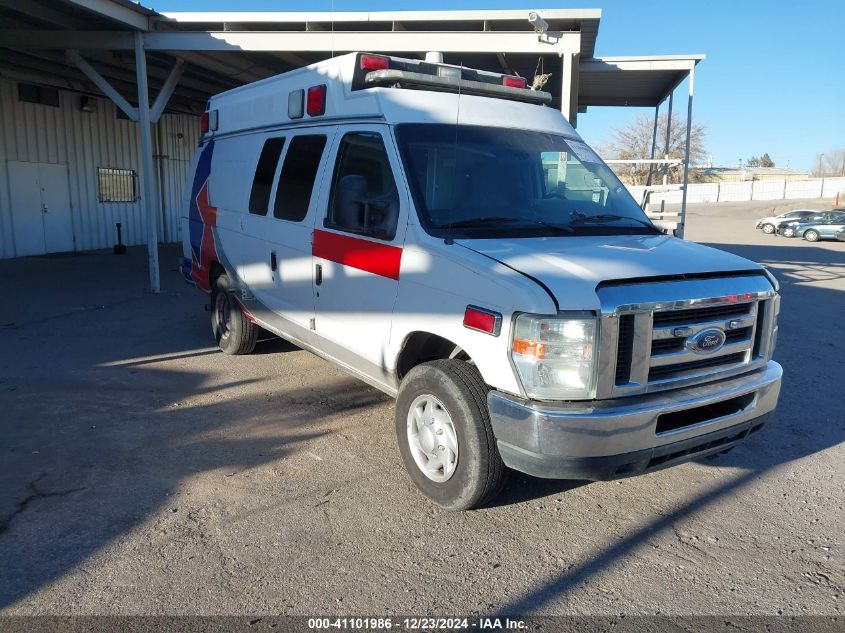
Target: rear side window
{"points": [[259, 196], [364, 197], [296, 182]]}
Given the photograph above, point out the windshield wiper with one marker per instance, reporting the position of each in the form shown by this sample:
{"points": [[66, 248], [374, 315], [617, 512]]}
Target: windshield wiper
{"points": [[581, 219], [494, 220]]}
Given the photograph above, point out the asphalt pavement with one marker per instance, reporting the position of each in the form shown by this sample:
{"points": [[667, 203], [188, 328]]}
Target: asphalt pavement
{"points": [[144, 472]]}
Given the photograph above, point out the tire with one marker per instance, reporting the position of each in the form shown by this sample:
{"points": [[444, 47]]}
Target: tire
{"points": [[812, 235], [768, 229], [234, 333], [456, 388]]}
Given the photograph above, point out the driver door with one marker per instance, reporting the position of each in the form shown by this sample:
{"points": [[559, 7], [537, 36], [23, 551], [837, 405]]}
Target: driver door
{"points": [[357, 247]]}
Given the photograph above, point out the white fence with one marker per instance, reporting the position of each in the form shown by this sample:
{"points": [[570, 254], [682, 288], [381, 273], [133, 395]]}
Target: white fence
{"points": [[751, 190]]}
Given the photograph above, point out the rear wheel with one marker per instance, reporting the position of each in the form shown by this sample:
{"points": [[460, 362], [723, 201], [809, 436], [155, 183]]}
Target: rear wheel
{"points": [[445, 437], [235, 334], [811, 235], [768, 228]]}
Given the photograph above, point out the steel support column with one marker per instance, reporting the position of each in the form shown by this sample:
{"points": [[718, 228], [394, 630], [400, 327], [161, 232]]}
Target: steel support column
{"points": [[146, 156], [668, 138], [570, 63], [681, 224], [653, 145]]}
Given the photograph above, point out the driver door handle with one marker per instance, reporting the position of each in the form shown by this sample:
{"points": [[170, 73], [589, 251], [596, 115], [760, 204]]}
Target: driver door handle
{"points": [[318, 277]]}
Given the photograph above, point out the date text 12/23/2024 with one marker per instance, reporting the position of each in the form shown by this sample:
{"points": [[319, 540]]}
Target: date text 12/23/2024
{"points": [[416, 624]]}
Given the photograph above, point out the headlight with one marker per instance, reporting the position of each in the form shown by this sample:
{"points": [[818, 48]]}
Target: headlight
{"points": [[555, 356]]}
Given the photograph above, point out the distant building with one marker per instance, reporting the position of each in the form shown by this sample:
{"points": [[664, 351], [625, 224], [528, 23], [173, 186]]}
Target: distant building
{"points": [[736, 174]]}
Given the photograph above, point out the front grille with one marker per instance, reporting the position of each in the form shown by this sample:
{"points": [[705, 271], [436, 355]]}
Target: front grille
{"points": [[647, 327], [698, 315], [625, 349], [668, 371]]}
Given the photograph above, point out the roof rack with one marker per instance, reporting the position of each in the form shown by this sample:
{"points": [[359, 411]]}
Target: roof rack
{"points": [[380, 70]]}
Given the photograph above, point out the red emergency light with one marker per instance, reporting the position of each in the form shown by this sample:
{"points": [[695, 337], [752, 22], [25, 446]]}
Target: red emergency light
{"points": [[511, 81], [374, 62], [315, 100]]}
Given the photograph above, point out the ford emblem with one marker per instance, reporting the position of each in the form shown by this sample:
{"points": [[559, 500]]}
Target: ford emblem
{"points": [[706, 341]]}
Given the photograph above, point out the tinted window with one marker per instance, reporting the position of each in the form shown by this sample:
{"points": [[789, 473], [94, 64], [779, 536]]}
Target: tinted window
{"points": [[296, 182], [259, 197], [364, 198]]}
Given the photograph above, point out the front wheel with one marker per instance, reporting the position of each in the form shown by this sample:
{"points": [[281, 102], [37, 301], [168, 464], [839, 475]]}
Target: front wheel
{"points": [[768, 228], [234, 332], [444, 434], [811, 236]]}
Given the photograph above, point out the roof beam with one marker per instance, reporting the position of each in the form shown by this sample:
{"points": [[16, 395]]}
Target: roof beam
{"points": [[114, 11], [43, 13], [274, 41], [97, 79], [378, 41], [621, 64], [166, 91]]}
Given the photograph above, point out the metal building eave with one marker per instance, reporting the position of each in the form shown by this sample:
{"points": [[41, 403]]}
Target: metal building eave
{"points": [[643, 81]]}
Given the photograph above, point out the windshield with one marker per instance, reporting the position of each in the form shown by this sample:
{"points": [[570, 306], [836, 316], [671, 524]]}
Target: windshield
{"points": [[471, 181]]}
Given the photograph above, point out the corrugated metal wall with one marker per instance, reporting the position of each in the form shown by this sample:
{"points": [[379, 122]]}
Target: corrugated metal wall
{"points": [[85, 141]]}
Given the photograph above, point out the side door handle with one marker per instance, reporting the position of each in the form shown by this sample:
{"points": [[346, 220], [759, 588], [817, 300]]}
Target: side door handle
{"points": [[318, 278], [273, 261]]}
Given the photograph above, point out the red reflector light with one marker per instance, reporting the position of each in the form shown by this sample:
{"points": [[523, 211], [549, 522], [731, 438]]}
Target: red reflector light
{"points": [[204, 123], [509, 81], [374, 62], [315, 100], [483, 320]]}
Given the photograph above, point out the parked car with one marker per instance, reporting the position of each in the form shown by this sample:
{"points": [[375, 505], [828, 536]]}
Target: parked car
{"points": [[825, 229], [787, 228], [444, 235], [769, 224]]}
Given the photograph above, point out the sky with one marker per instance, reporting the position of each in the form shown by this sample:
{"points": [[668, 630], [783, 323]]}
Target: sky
{"points": [[773, 80]]}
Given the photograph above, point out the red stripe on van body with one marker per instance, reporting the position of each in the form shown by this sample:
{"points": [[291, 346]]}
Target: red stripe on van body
{"points": [[372, 257]]}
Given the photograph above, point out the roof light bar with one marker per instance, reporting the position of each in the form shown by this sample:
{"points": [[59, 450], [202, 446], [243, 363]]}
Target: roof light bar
{"points": [[394, 77]]}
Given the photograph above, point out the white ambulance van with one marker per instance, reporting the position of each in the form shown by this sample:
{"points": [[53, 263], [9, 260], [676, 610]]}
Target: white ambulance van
{"points": [[446, 236]]}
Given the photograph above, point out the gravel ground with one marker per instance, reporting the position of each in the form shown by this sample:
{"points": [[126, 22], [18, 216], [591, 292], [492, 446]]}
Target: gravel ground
{"points": [[143, 472]]}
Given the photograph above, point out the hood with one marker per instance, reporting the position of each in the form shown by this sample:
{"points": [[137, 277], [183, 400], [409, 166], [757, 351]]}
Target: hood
{"points": [[572, 267]]}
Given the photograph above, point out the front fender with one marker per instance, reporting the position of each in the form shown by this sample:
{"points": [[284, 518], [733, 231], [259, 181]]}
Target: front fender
{"points": [[435, 289]]}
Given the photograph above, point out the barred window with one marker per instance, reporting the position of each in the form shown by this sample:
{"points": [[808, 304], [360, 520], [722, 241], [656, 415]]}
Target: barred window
{"points": [[117, 185]]}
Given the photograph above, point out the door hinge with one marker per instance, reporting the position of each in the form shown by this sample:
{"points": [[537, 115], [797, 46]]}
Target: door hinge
{"points": [[312, 323]]}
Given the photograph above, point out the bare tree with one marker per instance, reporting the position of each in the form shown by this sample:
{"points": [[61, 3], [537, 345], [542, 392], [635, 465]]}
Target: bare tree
{"points": [[633, 141], [831, 163]]}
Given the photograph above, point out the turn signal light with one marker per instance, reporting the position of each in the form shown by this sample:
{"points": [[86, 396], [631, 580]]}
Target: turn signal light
{"points": [[315, 100], [483, 320], [529, 348], [511, 81], [374, 62]]}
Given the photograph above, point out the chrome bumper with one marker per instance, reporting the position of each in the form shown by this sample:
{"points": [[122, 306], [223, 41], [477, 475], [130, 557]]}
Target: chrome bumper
{"points": [[620, 438]]}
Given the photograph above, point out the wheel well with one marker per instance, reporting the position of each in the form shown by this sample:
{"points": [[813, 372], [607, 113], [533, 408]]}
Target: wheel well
{"points": [[214, 271], [421, 347]]}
